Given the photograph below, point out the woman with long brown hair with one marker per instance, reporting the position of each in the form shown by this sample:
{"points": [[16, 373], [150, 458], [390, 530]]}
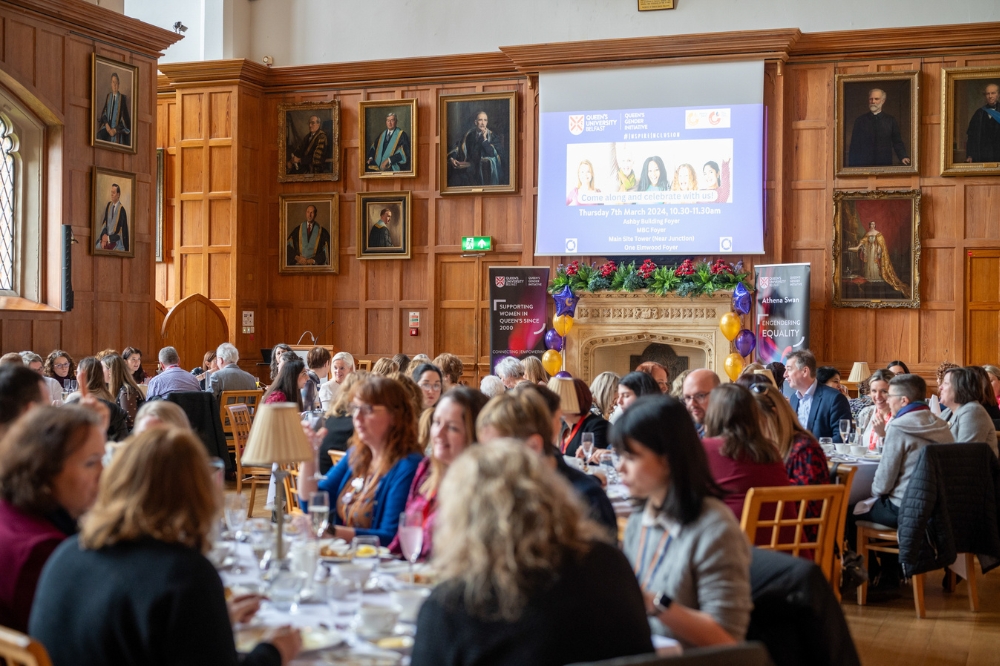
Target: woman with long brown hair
{"points": [[91, 376], [122, 387], [805, 462], [369, 486]]}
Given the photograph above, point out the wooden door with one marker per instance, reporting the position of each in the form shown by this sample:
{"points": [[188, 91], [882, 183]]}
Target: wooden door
{"points": [[982, 307]]}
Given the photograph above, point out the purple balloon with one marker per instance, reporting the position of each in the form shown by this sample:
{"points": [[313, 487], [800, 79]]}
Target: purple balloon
{"points": [[745, 342], [553, 340], [741, 300], [563, 374], [565, 302]]}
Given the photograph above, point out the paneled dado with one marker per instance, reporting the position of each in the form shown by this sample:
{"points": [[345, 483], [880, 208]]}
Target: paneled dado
{"points": [[220, 135]]}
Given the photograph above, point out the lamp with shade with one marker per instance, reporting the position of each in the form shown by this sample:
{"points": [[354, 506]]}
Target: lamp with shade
{"points": [[859, 373], [276, 437]]}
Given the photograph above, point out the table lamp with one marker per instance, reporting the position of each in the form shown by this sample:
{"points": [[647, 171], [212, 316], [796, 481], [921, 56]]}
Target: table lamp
{"points": [[276, 437], [859, 373]]}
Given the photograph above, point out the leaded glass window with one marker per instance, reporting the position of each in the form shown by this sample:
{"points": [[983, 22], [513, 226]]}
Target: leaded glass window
{"points": [[7, 147]]}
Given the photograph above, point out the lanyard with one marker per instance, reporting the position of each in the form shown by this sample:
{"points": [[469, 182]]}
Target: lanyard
{"points": [[661, 548], [572, 433]]}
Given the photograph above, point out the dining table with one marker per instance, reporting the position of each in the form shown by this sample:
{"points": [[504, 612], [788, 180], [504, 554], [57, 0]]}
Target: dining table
{"points": [[861, 487]]}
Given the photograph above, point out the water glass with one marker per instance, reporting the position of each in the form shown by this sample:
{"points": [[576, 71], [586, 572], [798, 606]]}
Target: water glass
{"points": [[365, 551], [411, 537], [319, 512], [587, 444], [610, 468], [286, 589], [303, 559], [72, 386], [236, 514], [261, 539]]}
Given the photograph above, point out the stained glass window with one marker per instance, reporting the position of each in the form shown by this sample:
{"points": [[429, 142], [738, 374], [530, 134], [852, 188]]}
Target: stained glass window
{"points": [[6, 205]]}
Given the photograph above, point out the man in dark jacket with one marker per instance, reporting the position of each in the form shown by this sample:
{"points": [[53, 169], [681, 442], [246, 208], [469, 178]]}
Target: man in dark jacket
{"points": [[875, 136], [819, 407]]}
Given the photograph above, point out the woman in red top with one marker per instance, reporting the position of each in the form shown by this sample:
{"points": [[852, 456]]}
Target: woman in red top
{"points": [[287, 386], [50, 464], [453, 429]]}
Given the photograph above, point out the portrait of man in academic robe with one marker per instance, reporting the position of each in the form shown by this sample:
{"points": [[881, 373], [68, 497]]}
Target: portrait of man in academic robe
{"points": [[113, 213], [877, 121], [310, 233], [309, 140], [113, 92], [383, 225], [387, 130]]}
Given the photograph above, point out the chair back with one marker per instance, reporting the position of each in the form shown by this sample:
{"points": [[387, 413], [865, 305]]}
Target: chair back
{"points": [[239, 418], [248, 398], [336, 456], [843, 475], [752, 653], [291, 481], [21, 650], [813, 533]]}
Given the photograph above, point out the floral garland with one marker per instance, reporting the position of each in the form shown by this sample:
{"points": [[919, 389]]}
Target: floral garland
{"points": [[689, 278]]}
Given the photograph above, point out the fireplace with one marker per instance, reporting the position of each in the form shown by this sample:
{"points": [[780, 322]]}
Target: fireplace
{"points": [[612, 327]]}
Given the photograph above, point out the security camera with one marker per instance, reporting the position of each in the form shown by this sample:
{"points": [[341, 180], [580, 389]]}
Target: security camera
{"points": [[180, 27]]}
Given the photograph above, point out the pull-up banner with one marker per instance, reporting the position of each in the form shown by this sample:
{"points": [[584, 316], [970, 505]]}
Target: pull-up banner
{"points": [[782, 310], [517, 311]]}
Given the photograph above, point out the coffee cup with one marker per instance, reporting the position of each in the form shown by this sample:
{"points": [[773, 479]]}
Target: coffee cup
{"points": [[858, 450], [374, 619], [409, 602], [843, 448]]}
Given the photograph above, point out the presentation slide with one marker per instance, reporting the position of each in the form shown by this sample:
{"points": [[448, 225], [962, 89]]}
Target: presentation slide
{"points": [[663, 178]]}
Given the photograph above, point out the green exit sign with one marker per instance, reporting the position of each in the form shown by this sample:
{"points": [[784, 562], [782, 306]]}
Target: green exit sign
{"points": [[477, 243]]}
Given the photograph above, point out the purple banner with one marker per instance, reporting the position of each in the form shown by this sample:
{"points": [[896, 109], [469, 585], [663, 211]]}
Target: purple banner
{"points": [[518, 312], [782, 310]]}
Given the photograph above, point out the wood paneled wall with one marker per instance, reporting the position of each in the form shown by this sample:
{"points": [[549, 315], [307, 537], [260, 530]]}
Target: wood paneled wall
{"points": [[45, 61]]}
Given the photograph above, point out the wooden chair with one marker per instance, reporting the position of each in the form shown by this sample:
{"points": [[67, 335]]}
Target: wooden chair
{"points": [[844, 476], [830, 499], [335, 456], [21, 650], [294, 508], [239, 416], [883, 539], [248, 398]]}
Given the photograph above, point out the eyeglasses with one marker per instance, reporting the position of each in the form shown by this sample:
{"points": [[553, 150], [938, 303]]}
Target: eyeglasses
{"points": [[365, 410], [427, 386], [895, 395], [697, 397], [60, 365]]}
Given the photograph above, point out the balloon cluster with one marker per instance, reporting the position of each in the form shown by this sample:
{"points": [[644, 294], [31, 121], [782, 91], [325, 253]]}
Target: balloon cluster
{"points": [[562, 322], [732, 327]]}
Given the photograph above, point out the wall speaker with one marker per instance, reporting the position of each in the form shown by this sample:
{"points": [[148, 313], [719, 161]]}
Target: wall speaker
{"points": [[67, 268]]}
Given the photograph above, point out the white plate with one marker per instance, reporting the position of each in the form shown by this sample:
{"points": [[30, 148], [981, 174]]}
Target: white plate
{"points": [[313, 638]]}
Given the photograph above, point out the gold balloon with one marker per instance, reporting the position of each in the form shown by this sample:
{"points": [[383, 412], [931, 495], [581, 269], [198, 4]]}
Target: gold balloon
{"points": [[552, 361], [563, 324], [730, 325], [734, 366]]}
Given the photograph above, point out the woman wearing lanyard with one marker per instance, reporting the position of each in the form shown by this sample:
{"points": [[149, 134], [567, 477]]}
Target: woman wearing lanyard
{"points": [[685, 546], [453, 428]]}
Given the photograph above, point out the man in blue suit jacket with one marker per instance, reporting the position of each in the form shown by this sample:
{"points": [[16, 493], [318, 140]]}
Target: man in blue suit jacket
{"points": [[819, 407]]}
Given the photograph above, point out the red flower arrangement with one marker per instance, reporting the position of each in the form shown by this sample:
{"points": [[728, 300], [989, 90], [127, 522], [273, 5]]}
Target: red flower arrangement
{"points": [[686, 268], [647, 268], [573, 268], [608, 269], [720, 266]]}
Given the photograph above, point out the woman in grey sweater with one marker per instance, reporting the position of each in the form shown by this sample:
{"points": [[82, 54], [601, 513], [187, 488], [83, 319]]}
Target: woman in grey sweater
{"points": [[685, 546], [969, 421]]}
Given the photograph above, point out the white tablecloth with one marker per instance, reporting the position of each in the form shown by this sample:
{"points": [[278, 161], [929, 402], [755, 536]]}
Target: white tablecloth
{"points": [[861, 487]]}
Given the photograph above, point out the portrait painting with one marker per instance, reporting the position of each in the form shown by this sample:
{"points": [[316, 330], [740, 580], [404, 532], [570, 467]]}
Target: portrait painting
{"points": [[383, 225], [388, 132], [970, 121], [877, 123], [308, 142], [876, 249], [114, 87], [113, 213], [478, 143], [310, 233]]}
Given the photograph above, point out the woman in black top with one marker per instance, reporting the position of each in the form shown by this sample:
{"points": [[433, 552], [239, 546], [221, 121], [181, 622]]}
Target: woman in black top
{"points": [[523, 605], [579, 420], [134, 587], [339, 424]]}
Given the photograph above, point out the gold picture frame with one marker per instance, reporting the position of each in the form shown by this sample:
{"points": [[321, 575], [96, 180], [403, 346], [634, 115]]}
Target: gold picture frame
{"points": [[112, 229], [115, 133], [309, 154], [321, 243], [391, 212], [868, 229], [963, 92], [466, 168], [398, 158], [856, 150]]}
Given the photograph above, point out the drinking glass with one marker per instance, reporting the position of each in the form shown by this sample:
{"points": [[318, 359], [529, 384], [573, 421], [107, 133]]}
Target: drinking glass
{"points": [[587, 444], [319, 512], [260, 539], [845, 428], [304, 558], [610, 468], [365, 551], [411, 537], [309, 396], [72, 386], [285, 590]]}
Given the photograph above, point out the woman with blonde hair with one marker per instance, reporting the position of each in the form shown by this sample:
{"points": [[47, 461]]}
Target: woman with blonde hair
{"points": [[138, 568], [385, 367], [685, 179], [604, 388], [160, 413], [520, 566], [534, 372], [122, 386], [805, 462]]}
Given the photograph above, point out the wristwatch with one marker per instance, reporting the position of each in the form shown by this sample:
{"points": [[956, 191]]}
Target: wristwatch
{"points": [[661, 602]]}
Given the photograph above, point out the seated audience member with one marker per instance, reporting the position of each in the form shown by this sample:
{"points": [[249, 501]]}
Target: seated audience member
{"points": [[428, 378], [579, 419], [20, 391], [53, 387], [510, 371], [104, 352], [122, 387], [634, 385], [287, 386], [229, 376], [133, 357], [491, 386], [677, 386], [530, 414], [451, 369], [968, 420], [11, 358], [777, 369], [899, 368], [755, 371], [173, 378], [876, 413], [318, 361], [534, 372], [697, 390], [416, 395], [453, 429], [135, 586], [404, 362], [830, 376], [934, 401], [60, 366], [420, 358], [521, 568], [805, 462], [50, 462], [658, 372], [740, 455], [160, 414], [819, 407], [276, 354], [369, 486], [385, 367], [604, 388], [750, 380], [911, 428], [90, 374], [993, 373], [339, 424], [987, 398], [863, 400], [688, 552], [203, 373], [341, 365]]}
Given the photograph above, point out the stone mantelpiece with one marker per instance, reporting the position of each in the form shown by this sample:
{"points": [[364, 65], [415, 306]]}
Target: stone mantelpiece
{"points": [[620, 318]]}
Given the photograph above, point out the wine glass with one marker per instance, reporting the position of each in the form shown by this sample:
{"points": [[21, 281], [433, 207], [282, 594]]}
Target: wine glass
{"points": [[411, 538], [365, 551], [845, 429], [587, 444], [260, 539], [610, 468], [72, 385], [319, 512]]}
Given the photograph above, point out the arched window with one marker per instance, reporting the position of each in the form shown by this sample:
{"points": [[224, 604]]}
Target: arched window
{"points": [[8, 148]]}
